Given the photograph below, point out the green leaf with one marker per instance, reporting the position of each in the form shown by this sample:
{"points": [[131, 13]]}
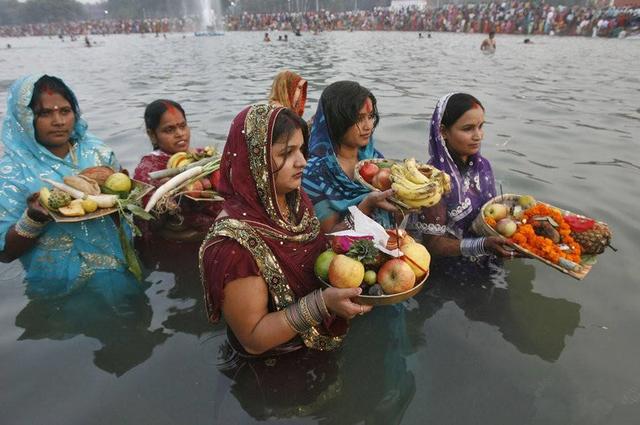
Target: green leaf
{"points": [[139, 211], [133, 264]]}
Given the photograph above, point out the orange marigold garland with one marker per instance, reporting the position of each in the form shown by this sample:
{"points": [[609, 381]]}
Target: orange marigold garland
{"points": [[543, 247]]}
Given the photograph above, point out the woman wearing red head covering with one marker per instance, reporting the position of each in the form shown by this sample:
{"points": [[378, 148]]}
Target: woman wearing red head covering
{"points": [[290, 91], [257, 261]]}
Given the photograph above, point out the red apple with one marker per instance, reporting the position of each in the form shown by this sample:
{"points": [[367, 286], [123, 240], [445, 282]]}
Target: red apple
{"points": [[382, 180], [345, 272], [194, 189], [506, 227], [214, 178], [396, 276], [206, 183], [368, 171]]}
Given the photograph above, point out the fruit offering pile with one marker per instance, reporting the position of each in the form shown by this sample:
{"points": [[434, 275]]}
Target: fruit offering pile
{"points": [[554, 235], [204, 187], [92, 189], [415, 185], [355, 261]]}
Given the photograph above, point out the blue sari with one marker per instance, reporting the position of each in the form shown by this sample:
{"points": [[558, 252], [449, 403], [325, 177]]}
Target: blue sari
{"points": [[67, 255], [330, 189]]}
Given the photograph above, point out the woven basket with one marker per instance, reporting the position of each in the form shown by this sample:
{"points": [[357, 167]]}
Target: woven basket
{"points": [[481, 228]]}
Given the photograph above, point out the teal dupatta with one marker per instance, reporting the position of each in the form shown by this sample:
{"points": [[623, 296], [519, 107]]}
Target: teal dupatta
{"points": [[67, 255]]}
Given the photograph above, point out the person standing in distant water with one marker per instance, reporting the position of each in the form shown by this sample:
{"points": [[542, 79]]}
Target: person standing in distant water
{"points": [[289, 90], [419, 35], [489, 44], [266, 37]]}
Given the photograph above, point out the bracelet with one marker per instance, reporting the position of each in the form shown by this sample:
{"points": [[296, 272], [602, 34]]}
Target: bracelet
{"points": [[28, 227], [308, 312], [473, 247], [320, 304], [348, 221]]}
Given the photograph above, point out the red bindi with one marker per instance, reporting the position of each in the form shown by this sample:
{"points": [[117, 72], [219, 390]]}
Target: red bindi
{"points": [[48, 90], [368, 105]]}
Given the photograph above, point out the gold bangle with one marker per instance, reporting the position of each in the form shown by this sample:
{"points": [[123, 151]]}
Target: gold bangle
{"points": [[306, 314]]}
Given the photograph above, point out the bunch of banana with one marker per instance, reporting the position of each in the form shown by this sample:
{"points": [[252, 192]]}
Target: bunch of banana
{"points": [[416, 188], [179, 159]]}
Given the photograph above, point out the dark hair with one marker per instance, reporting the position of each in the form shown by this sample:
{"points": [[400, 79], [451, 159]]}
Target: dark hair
{"points": [[48, 83], [154, 110], [492, 33], [457, 105], [286, 124], [341, 102]]}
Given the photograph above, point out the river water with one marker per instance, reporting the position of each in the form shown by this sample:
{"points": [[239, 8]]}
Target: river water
{"points": [[522, 344]]}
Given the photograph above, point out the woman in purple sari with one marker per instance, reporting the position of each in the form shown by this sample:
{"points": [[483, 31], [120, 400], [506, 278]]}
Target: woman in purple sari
{"points": [[454, 147]]}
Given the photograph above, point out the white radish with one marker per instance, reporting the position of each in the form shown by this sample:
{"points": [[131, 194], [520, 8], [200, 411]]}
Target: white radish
{"points": [[173, 183], [103, 201]]}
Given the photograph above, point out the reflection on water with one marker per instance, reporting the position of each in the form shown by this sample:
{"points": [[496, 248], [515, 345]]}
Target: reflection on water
{"points": [[367, 381], [503, 298], [119, 320], [518, 343]]}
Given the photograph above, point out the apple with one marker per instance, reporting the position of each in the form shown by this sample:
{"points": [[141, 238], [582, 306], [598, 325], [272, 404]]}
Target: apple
{"points": [[206, 183], [417, 257], [321, 267], [382, 180], [506, 227], [345, 272], [214, 178], [194, 189], [496, 211], [368, 171], [370, 277], [396, 276], [398, 238], [526, 201]]}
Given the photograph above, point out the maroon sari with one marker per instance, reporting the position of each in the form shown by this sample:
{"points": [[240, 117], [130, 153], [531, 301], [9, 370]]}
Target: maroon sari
{"points": [[196, 218], [256, 239]]}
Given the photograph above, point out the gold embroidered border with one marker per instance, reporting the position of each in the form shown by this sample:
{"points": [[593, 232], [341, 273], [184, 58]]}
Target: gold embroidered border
{"points": [[279, 289]]}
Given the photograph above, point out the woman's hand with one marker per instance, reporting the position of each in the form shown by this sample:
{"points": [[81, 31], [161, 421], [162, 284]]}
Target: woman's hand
{"points": [[35, 210], [500, 247], [377, 199], [339, 302]]}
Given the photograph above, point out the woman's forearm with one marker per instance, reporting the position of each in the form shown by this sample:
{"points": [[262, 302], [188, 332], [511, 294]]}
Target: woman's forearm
{"points": [[15, 246]]}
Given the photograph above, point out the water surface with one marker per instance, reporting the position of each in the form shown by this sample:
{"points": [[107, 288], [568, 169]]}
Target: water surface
{"points": [[521, 343]]}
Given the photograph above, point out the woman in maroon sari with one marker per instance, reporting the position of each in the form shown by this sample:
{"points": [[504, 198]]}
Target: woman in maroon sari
{"points": [[257, 260], [169, 133]]}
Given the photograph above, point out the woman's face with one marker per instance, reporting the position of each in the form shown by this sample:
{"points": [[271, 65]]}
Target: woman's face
{"points": [[287, 158], [359, 133], [465, 135], [173, 133], [54, 120]]}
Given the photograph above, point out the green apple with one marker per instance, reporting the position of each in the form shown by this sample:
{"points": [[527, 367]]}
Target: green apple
{"points": [[526, 201], [370, 277], [321, 267], [496, 211]]}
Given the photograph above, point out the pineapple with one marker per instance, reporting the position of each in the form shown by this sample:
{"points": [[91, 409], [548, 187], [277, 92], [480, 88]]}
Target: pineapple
{"points": [[594, 240]]}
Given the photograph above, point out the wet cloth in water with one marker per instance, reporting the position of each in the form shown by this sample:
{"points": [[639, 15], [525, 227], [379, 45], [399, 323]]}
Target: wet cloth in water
{"points": [[257, 238], [470, 187], [66, 255], [330, 189]]}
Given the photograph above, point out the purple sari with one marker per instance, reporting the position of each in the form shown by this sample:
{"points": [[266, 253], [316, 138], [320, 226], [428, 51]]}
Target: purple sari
{"points": [[470, 188]]}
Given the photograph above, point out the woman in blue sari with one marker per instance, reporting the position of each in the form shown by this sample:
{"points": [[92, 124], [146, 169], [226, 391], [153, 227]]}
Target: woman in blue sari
{"points": [[342, 135], [44, 137]]}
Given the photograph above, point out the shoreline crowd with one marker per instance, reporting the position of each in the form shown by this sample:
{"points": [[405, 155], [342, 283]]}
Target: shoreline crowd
{"points": [[514, 18]]}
